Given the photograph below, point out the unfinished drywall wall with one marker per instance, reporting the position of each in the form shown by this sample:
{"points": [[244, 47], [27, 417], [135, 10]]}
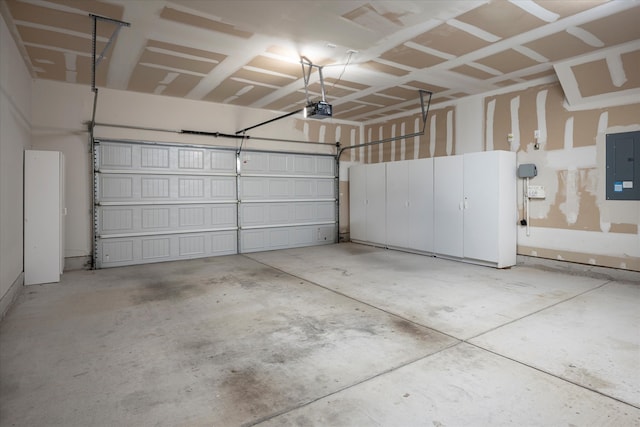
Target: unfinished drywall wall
{"points": [[438, 138], [574, 221], [61, 110], [15, 130]]}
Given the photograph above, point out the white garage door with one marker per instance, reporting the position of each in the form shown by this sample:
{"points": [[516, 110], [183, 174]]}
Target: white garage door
{"points": [[286, 200], [162, 202], [159, 203]]}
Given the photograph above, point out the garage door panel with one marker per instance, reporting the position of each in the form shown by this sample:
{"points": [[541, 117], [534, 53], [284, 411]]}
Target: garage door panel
{"points": [[287, 164], [265, 239], [115, 252], [284, 213], [154, 157], [140, 157], [155, 218], [222, 162], [255, 188], [158, 247], [115, 156], [189, 159], [125, 188], [118, 220]]}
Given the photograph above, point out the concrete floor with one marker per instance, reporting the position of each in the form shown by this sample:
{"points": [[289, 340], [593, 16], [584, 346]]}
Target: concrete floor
{"points": [[342, 335]]}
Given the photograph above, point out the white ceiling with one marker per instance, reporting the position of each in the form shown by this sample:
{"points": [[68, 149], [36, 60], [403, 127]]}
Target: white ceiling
{"points": [[375, 54]]}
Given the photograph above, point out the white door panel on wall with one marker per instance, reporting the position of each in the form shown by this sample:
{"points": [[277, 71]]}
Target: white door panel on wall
{"points": [[448, 205]]}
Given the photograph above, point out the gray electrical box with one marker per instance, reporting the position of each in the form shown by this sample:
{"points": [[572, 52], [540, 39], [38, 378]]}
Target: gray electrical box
{"points": [[527, 170], [623, 166]]}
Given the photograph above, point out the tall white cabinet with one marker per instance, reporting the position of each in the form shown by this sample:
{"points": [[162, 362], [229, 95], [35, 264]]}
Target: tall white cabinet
{"points": [[44, 212], [475, 207], [367, 203], [409, 209], [461, 207]]}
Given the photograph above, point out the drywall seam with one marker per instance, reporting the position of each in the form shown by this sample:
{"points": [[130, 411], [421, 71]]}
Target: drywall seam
{"points": [[432, 136], [393, 143], [491, 111], [322, 133], [541, 116], [403, 143], [449, 132], [515, 123], [585, 36], [369, 148], [616, 69], [380, 146], [416, 139]]}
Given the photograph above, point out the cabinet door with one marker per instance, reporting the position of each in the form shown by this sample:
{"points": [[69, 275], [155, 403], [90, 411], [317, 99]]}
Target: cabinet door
{"points": [[448, 204], [42, 212], [358, 202], [376, 203], [420, 179], [398, 228], [481, 206]]}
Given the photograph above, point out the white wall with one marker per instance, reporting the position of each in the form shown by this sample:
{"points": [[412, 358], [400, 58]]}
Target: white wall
{"points": [[15, 123], [61, 111]]}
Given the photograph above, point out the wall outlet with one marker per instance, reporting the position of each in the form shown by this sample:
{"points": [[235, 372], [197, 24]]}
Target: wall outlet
{"points": [[536, 192]]}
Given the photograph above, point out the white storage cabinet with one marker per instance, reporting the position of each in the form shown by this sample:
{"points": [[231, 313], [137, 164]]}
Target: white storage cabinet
{"points": [[44, 215]]}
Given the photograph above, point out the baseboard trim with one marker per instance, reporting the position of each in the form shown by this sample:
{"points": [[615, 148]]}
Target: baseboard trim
{"points": [[570, 267], [7, 300]]}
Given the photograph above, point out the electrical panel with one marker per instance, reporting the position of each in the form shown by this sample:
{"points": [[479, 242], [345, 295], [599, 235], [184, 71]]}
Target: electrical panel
{"points": [[623, 166]]}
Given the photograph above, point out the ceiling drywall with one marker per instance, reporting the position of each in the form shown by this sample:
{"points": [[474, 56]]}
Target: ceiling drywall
{"points": [[375, 54]]}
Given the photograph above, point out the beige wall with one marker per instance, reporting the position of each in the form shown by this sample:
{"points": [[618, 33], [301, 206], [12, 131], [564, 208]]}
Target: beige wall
{"points": [[574, 222], [60, 113], [15, 124]]}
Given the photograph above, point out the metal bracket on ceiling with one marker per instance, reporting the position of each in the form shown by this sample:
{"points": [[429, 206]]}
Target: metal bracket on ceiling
{"points": [[306, 74], [96, 61]]}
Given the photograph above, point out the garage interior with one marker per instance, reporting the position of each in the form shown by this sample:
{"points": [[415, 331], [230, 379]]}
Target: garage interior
{"points": [[319, 213]]}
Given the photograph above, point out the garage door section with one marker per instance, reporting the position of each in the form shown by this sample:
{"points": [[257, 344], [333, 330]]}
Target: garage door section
{"points": [[163, 202], [286, 200]]}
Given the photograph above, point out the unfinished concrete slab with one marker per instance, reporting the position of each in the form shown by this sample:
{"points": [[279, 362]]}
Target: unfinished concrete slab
{"points": [[459, 299], [224, 340], [463, 386], [333, 335], [592, 340]]}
